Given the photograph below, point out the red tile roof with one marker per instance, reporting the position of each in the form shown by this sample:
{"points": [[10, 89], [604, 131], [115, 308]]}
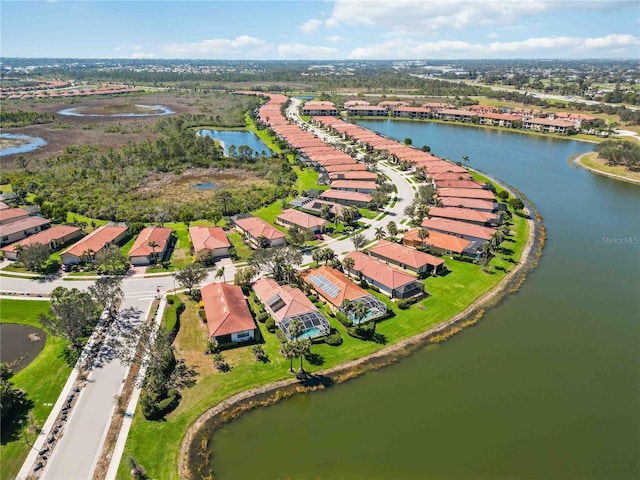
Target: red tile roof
{"points": [[96, 240], [379, 271], [256, 227], [347, 289], [438, 239], [226, 309], [208, 238], [344, 195], [301, 219], [295, 301], [159, 235], [354, 175], [22, 225], [464, 214], [457, 228], [8, 214], [45, 236], [474, 203], [466, 193], [404, 255]]}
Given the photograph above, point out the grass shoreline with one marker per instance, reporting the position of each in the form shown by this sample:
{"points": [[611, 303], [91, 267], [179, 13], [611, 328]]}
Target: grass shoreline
{"points": [[589, 161]]}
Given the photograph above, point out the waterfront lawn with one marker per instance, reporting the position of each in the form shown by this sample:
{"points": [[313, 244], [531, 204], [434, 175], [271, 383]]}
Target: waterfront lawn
{"points": [[49, 365], [449, 295]]}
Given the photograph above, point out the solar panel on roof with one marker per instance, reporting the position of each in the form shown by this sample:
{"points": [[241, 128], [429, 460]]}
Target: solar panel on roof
{"points": [[325, 285]]}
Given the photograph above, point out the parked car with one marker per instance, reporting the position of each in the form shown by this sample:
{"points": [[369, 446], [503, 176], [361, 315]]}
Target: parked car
{"points": [[319, 236]]}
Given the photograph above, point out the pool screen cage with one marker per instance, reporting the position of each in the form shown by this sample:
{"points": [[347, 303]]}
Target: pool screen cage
{"points": [[313, 323], [375, 309]]}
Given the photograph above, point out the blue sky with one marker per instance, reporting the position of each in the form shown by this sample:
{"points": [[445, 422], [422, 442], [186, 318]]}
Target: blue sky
{"points": [[333, 29]]}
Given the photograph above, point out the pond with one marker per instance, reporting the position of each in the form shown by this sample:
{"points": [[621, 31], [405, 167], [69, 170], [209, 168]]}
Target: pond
{"points": [[547, 385], [118, 111], [20, 344], [13, 143], [237, 138], [204, 186]]}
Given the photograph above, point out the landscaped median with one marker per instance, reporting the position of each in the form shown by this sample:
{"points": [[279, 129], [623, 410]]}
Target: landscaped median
{"points": [[452, 298], [42, 380]]}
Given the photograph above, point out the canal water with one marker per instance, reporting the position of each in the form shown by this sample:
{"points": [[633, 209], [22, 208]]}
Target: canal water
{"points": [[236, 138], [26, 143], [547, 385]]}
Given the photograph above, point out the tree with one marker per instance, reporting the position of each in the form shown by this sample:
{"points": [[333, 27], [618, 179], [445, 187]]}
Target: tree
{"points": [[466, 158], [347, 264], [275, 260], [485, 251], [244, 276], [325, 211], [297, 236], [107, 292], [302, 346], [191, 275], [153, 244], [358, 311], [516, 203], [73, 314], [426, 148], [408, 141], [10, 396], [288, 351], [379, 233], [225, 197], [258, 353], [422, 234], [111, 260], [327, 254], [392, 228], [33, 256], [358, 241], [295, 329], [220, 273]]}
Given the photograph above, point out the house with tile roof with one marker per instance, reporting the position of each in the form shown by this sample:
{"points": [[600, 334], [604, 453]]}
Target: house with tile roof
{"points": [[469, 215], [472, 203], [291, 217], [14, 231], [141, 253], [354, 186], [211, 240], [229, 319], [87, 247], [389, 280], [285, 304], [9, 215], [442, 243], [53, 237], [340, 292], [458, 229], [466, 193], [346, 198], [258, 232], [406, 257]]}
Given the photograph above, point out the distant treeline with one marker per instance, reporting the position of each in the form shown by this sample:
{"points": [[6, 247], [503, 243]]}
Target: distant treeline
{"points": [[620, 153], [21, 118]]}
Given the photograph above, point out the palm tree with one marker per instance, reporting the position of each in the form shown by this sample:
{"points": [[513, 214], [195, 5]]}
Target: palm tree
{"points": [[153, 244], [287, 351], [359, 241], [316, 255], [325, 211], [89, 253], [392, 228], [379, 233], [422, 234], [295, 329], [466, 158], [302, 346], [347, 264], [359, 311], [220, 273], [327, 255], [485, 250]]}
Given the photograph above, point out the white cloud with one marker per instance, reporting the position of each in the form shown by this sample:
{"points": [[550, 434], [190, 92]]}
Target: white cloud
{"points": [[243, 46], [299, 51], [419, 16], [142, 55], [493, 35], [336, 38], [543, 47], [125, 47], [311, 26]]}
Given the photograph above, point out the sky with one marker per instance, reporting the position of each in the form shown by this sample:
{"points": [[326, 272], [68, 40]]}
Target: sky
{"points": [[321, 30]]}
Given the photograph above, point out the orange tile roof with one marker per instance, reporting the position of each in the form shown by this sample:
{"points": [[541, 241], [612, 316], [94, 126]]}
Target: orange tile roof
{"points": [[439, 240], [353, 184], [474, 203], [301, 219], [344, 195], [295, 301], [45, 236], [96, 240], [141, 247], [22, 225], [256, 227], [379, 271], [7, 214], [405, 255], [345, 168], [348, 289], [226, 309], [458, 184], [466, 193], [208, 238], [354, 175], [464, 214], [457, 228]]}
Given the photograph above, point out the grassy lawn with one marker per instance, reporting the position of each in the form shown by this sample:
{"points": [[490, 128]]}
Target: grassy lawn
{"points": [[242, 249], [593, 161], [368, 213], [42, 379], [269, 214], [308, 179], [449, 295], [127, 246], [76, 217], [181, 255]]}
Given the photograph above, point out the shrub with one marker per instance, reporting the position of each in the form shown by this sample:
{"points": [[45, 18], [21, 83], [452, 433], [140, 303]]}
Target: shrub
{"points": [[280, 336], [374, 288], [335, 339], [270, 323], [171, 299], [313, 298], [364, 284], [203, 315], [343, 319], [403, 304], [167, 405], [262, 317], [362, 331]]}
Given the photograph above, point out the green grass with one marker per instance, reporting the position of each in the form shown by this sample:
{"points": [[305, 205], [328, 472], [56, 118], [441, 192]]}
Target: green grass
{"points": [[127, 246], [42, 379], [269, 214], [593, 161], [242, 249], [449, 295], [308, 179], [368, 213], [6, 188], [76, 217]]}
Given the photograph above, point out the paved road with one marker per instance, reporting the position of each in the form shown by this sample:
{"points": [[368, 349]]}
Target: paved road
{"points": [[76, 454]]}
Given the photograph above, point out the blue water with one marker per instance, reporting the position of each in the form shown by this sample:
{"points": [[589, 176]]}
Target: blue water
{"points": [[34, 142], [154, 111], [236, 138], [311, 333], [204, 186]]}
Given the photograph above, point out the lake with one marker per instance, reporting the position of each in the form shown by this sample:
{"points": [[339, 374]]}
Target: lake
{"points": [[236, 138], [14, 143], [20, 344], [547, 385]]}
